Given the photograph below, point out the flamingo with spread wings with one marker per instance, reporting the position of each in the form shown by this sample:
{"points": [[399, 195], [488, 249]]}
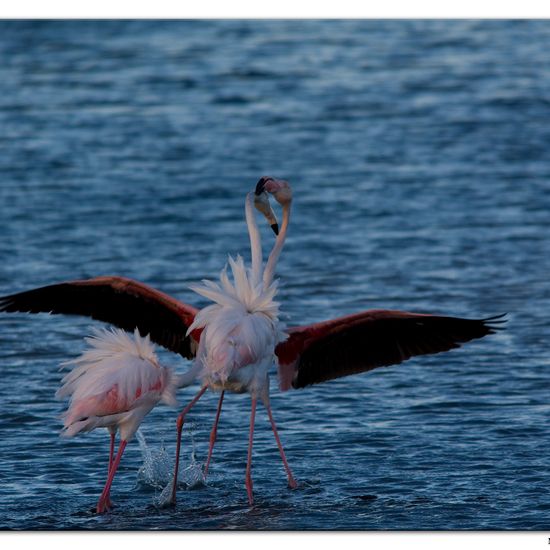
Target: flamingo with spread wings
{"points": [[235, 340]]}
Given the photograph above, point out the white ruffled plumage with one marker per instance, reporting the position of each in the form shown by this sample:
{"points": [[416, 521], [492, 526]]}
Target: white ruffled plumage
{"points": [[115, 383], [239, 326]]}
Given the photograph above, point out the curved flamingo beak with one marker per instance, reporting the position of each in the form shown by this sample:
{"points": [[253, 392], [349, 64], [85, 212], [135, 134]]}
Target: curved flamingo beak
{"points": [[260, 186], [261, 202]]}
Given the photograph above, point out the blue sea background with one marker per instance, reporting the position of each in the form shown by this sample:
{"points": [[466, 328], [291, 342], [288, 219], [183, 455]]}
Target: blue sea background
{"points": [[419, 154]]}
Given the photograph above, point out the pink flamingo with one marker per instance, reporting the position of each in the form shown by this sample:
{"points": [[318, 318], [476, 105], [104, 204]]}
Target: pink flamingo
{"points": [[237, 338], [113, 385]]}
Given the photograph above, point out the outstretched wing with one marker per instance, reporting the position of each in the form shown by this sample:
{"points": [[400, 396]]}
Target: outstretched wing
{"points": [[367, 340], [122, 302]]}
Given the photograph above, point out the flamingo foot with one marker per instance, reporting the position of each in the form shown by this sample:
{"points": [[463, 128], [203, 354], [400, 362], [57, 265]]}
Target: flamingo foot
{"points": [[179, 425], [172, 501], [291, 481], [249, 492], [103, 505], [104, 502]]}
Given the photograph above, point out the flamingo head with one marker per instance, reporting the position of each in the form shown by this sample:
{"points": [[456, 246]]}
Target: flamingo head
{"points": [[281, 191]]}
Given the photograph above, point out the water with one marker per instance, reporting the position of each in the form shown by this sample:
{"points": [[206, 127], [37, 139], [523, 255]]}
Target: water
{"points": [[418, 152]]}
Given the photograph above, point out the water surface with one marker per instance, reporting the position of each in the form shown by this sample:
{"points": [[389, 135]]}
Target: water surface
{"points": [[418, 153]]}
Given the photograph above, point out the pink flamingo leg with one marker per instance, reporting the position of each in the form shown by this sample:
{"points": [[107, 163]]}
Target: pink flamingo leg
{"points": [[213, 435], [291, 481], [103, 502], [111, 451], [111, 457], [179, 423], [248, 481]]}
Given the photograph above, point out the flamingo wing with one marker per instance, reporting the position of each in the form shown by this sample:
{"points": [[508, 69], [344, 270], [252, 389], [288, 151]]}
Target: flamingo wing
{"points": [[368, 340], [119, 301]]}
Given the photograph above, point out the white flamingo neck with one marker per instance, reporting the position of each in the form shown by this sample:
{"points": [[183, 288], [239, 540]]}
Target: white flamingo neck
{"points": [[269, 271], [255, 240]]}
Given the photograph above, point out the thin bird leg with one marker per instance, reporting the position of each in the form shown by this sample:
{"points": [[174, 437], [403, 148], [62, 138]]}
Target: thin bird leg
{"points": [[111, 451], [111, 457], [179, 423], [103, 502], [248, 481], [291, 481], [213, 435]]}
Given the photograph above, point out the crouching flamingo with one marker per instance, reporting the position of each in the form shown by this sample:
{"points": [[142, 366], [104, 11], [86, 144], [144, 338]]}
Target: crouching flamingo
{"points": [[237, 338], [114, 384]]}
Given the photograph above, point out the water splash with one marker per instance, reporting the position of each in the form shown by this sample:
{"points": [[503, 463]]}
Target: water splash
{"points": [[156, 470], [190, 477]]}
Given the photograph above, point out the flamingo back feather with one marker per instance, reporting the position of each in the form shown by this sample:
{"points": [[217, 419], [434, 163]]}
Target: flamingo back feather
{"points": [[240, 325], [114, 378]]}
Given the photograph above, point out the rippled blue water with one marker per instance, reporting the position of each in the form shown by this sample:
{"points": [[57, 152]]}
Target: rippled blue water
{"points": [[419, 156]]}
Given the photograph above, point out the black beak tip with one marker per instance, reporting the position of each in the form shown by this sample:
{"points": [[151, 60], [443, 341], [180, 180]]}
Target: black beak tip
{"points": [[275, 227]]}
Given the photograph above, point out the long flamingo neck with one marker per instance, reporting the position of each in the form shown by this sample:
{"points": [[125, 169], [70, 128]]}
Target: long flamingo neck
{"points": [[255, 240], [279, 243]]}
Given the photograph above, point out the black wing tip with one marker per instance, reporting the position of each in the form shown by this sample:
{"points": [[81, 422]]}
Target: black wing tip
{"points": [[497, 318], [495, 322], [20, 302], [6, 302]]}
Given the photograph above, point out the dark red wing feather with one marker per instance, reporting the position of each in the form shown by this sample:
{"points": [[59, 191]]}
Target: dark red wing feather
{"points": [[122, 302], [367, 340]]}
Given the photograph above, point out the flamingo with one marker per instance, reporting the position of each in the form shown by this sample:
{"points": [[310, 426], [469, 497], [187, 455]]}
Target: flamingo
{"points": [[114, 384], [235, 340]]}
